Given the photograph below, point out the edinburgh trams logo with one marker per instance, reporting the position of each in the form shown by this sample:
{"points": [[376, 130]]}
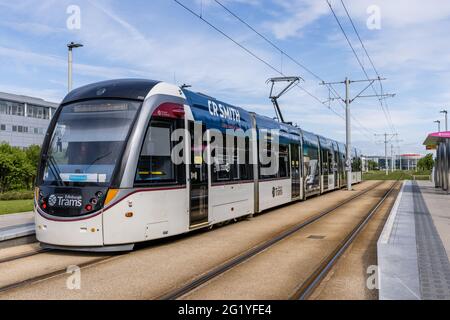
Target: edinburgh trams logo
{"points": [[65, 201], [52, 200], [277, 192]]}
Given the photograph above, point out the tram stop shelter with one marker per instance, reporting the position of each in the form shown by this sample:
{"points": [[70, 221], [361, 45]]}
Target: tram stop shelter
{"points": [[440, 141]]}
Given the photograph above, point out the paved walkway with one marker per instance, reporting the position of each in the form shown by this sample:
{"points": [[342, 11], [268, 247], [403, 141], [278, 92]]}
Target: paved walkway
{"points": [[16, 225], [413, 248]]}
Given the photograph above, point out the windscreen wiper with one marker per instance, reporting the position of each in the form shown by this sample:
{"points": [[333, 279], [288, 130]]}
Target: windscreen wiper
{"points": [[96, 160]]}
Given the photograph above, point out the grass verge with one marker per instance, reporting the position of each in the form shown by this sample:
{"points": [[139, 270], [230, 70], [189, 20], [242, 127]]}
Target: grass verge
{"points": [[15, 206], [404, 175]]}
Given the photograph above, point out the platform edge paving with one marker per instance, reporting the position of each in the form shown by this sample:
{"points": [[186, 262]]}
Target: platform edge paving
{"points": [[397, 254], [412, 260], [434, 266]]}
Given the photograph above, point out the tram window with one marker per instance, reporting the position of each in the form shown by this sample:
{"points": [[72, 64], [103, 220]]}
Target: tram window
{"points": [[241, 162], [328, 163], [268, 153], [356, 164], [245, 169], [222, 166], [311, 159], [283, 161], [155, 162], [324, 155], [228, 166], [236, 174]]}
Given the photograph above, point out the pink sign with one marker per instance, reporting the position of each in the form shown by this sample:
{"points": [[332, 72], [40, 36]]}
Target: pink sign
{"points": [[445, 134], [437, 137]]}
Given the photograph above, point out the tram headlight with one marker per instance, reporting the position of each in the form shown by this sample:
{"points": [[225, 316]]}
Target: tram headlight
{"points": [[112, 193]]}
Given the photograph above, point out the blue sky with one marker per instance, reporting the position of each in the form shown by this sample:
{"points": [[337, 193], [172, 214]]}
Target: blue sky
{"points": [[158, 39]]}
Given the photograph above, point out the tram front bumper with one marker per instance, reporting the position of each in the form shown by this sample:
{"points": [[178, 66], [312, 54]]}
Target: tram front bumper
{"points": [[71, 233]]}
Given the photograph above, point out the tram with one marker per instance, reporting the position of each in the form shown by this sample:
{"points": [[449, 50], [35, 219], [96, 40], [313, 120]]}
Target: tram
{"points": [[107, 179]]}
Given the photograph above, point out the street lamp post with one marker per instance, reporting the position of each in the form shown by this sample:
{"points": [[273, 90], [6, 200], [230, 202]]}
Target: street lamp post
{"points": [[445, 112], [71, 46], [439, 125]]}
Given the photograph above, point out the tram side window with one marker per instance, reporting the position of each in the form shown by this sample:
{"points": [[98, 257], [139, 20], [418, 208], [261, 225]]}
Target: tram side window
{"points": [[222, 163], [324, 155], [311, 159], [329, 163], [155, 163], [356, 164], [241, 169], [334, 162], [227, 166], [268, 152], [283, 161], [245, 168]]}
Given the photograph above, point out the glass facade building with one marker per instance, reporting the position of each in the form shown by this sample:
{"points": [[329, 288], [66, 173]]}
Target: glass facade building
{"points": [[401, 162], [24, 120]]}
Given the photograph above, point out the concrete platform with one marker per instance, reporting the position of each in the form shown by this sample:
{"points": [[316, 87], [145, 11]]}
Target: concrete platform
{"points": [[13, 226], [414, 246]]}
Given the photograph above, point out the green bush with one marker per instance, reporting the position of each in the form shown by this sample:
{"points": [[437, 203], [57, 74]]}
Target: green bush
{"points": [[422, 177], [426, 163], [18, 167], [17, 195]]}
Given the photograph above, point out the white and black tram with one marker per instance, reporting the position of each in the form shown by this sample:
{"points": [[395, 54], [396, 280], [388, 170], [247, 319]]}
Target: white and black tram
{"points": [[107, 179]]}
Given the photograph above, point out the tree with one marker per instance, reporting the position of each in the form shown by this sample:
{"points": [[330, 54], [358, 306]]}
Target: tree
{"points": [[33, 154], [426, 163], [373, 165], [6, 169], [17, 167]]}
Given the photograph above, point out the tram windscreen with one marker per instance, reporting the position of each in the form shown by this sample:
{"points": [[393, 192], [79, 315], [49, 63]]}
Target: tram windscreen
{"points": [[87, 141]]}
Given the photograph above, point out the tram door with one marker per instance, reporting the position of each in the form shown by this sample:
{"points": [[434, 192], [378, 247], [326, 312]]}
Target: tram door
{"points": [[295, 170], [198, 176]]}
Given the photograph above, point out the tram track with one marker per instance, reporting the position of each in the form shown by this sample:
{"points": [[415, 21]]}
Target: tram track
{"points": [[23, 255], [240, 259], [307, 287], [56, 273], [53, 274], [202, 279]]}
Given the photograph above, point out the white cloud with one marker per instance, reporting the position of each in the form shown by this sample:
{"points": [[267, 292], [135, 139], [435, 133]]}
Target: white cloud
{"points": [[50, 95], [299, 14], [409, 47], [45, 60], [37, 29]]}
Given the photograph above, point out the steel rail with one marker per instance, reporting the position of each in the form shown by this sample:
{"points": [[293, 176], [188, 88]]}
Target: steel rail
{"points": [[23, 255], [308, 287], [202, 279], [54, 274], [215, 272]]}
